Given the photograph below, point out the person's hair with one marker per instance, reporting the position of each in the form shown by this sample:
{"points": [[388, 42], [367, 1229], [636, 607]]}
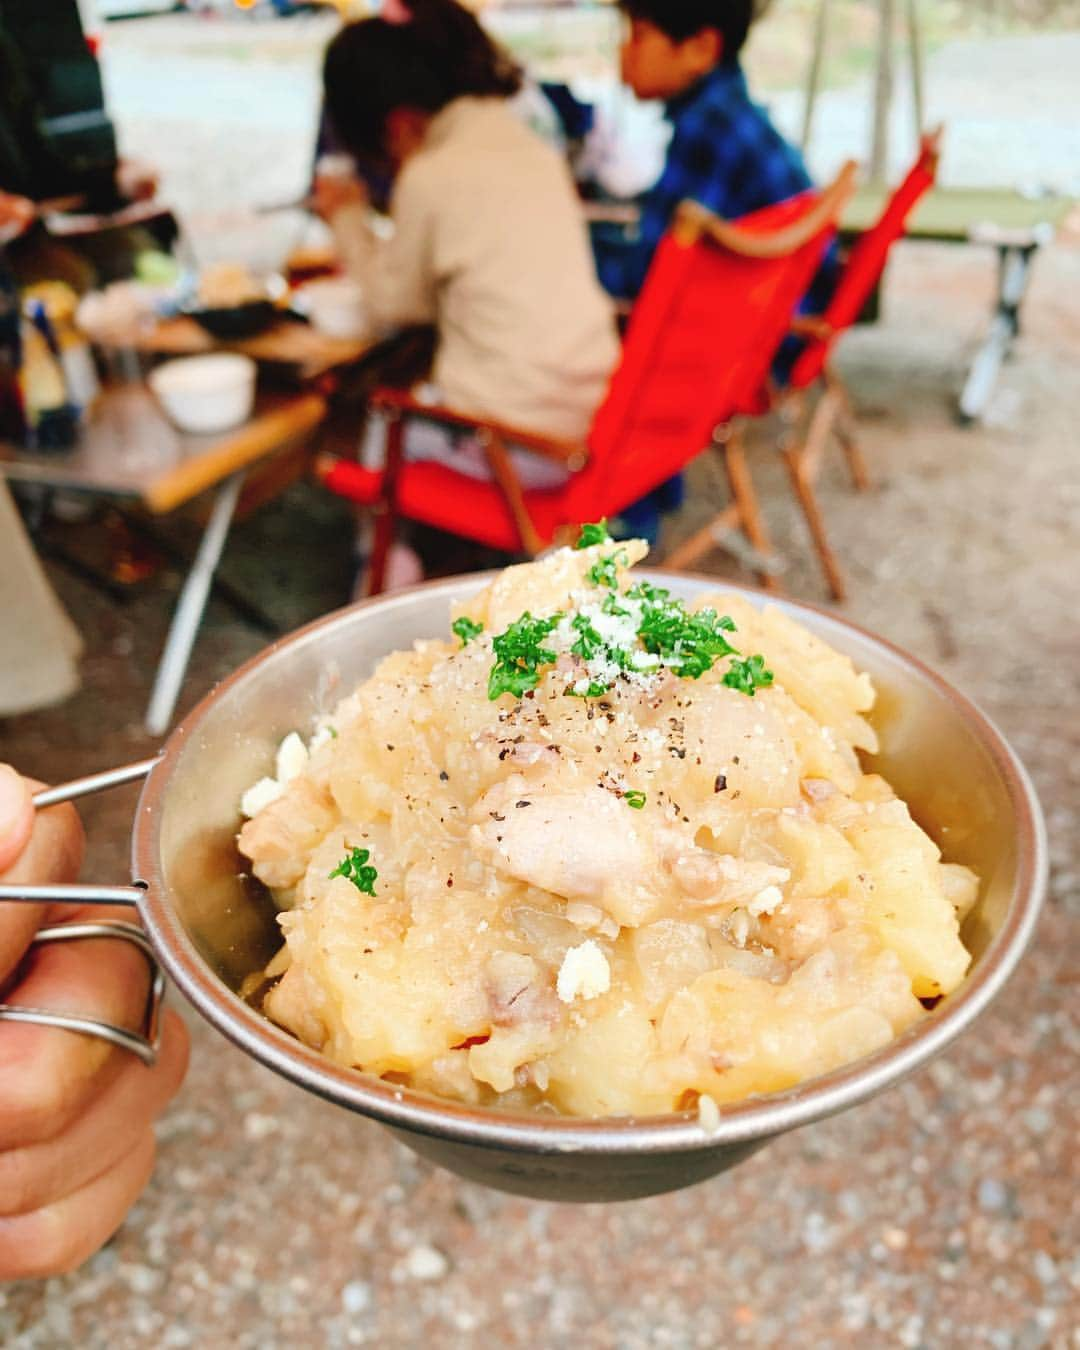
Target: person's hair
{"points": [[681, 19], [438, 54]]}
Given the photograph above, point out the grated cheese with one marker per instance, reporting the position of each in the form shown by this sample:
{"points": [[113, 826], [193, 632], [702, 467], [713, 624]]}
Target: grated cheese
{"points": [[766, 901], [708, 1114], [260, 795], [584, 973], [292, 758]]}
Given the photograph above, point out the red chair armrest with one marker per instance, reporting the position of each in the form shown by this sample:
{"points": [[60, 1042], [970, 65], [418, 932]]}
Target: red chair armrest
{"points": [[400, 403]]}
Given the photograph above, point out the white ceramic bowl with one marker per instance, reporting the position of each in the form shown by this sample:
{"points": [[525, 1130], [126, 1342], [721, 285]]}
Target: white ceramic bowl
{"points": [[204, 394], [335, 306]]}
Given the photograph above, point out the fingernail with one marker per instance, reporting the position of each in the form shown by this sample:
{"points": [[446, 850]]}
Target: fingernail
{"points": [[14, 800]]}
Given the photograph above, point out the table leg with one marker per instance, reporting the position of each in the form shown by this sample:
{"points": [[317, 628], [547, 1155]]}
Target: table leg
{"points": [[1013, 274], [245, 608], [190, 607]]}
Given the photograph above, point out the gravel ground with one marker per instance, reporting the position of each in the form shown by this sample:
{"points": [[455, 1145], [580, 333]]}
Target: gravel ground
{"points": [[942, 1214]]}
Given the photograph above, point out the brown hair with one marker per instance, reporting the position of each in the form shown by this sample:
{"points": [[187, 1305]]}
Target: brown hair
{"points": [[441, 53]]}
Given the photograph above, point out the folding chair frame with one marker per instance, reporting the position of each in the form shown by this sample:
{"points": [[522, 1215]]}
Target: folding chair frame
{"points": [[380, 491], [812, 416]]}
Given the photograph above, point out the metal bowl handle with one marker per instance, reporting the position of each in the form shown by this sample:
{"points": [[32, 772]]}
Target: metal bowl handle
{"points": [[145, 1041]]}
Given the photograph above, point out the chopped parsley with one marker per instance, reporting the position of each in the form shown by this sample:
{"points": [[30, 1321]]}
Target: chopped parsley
{"points": [[634, 799], [605, 572], [593, 534], [519, 654], [748, 676], [611, 606], [589, 641], [643, 590], [691, 643], [628, 635], [596, 689], [354, 867], [467, 629]]}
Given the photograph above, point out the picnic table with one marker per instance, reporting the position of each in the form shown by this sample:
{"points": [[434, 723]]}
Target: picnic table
{"points": [[286, 342], [1015, 225], [127, 449]]}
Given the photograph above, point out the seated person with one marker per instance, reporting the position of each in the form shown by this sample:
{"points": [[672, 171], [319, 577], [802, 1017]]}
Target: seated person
{"points": [[724, 151], [487, 245], [32, 166]]}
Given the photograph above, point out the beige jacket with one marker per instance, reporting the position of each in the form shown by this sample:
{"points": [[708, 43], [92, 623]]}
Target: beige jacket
{"points": [[490, 247]]}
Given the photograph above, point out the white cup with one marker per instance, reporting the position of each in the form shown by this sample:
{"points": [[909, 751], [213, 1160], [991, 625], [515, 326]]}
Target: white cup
{"points": [[205, 394], [335, 306]]}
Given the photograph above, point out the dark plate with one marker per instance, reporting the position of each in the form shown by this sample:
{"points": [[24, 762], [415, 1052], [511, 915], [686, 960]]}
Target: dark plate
{"points": [[236, 321]]}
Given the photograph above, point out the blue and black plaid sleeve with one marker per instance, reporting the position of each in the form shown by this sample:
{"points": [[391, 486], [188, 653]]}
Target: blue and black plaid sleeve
{"points": [[725, 154]]}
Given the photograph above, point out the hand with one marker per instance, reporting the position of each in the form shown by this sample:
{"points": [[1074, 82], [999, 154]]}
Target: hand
{"points": [[16, 216], [76, 1115], [136, 181], [332, 193]]}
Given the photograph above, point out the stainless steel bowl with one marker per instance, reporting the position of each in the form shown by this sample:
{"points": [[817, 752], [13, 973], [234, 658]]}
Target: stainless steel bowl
{"points": [[210, 929]]}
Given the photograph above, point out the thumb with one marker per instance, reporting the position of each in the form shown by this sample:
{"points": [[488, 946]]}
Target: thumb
{"points": [[16, 815], [35, 849]]}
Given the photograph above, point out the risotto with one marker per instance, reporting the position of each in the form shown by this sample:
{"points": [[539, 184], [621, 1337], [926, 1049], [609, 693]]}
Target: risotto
{"points": [[601, 852]]}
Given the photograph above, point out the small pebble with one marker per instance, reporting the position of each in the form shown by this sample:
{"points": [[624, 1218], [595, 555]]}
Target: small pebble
{"points": [[356, 1297], [1046, 1271], [425, 1263], [993, 1196]]}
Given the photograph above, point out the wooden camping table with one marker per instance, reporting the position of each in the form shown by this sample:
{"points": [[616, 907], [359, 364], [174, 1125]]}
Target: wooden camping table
{"points": [[1016, 226], [127, 449], [288, 343]]}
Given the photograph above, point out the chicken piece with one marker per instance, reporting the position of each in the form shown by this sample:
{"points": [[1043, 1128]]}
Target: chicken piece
{"points": [[577, 842], [711, 879], [280, 839], [297, 1003], [519, 990]]}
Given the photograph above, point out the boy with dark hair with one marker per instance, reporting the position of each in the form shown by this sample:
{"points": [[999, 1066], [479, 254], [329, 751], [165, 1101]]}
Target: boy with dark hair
{"points": [[724, 151]]}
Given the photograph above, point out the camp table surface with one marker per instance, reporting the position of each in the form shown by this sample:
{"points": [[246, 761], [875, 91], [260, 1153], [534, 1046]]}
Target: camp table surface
{"points": [[1016, 225], [127, 449]]}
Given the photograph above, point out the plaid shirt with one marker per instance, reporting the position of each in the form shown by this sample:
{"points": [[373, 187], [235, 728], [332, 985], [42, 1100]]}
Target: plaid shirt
{"points": [[724, 153]]}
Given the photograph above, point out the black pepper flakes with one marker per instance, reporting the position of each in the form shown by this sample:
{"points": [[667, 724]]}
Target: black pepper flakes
{"points": [[444, 777], [720, 782], [519, 805]]}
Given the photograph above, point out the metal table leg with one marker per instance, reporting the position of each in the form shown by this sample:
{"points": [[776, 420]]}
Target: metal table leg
{"points": [[190, 607], [1013, 273]]}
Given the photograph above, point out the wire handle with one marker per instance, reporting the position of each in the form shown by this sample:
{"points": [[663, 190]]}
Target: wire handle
{"points": [[145, 1042], [95, 782]]}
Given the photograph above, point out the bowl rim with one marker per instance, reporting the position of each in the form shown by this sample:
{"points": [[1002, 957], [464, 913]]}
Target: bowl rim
{"points": [[236, 362], [754, 1118]]}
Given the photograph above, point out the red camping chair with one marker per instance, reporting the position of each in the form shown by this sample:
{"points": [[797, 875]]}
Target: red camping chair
{"points": [[831, 413], [717, 303]]}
